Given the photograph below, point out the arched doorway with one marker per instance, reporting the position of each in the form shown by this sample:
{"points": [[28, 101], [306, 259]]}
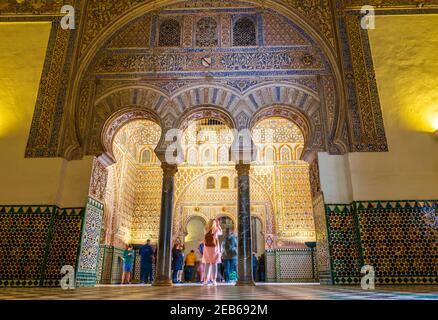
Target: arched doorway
{"points": [[132, 194], [280, 143], [195, 234]]}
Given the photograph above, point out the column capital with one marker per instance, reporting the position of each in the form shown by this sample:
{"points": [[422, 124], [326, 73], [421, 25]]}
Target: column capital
{"points": [[169, 170], [243, 169]]}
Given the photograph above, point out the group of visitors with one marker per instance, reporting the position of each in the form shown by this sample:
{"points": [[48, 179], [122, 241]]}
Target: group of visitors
{"points": [[148, 257], [258, 267], [218, 262]]}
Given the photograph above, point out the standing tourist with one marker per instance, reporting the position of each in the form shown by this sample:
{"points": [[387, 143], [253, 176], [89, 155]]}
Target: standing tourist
{"points": [[262, 268], [177, 262], [181, 257], [254, 266], [190, 265], [212, 252], [128, 260], [229, 246], [200, 269], [147, 257]]}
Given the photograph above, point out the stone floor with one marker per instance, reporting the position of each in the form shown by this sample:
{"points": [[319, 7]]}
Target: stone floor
{"points": [[223, 292]]}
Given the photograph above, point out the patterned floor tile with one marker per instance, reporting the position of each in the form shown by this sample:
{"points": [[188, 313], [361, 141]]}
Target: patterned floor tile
{"points": [[224, 292]]}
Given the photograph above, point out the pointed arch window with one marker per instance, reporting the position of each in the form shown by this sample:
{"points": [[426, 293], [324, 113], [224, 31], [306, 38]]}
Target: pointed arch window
{"points": [[299, 152], [225, 183], [208, 156], [224, 155], [285, 154], [211, 183], [192, 157], [269, 155], [146, 156]]}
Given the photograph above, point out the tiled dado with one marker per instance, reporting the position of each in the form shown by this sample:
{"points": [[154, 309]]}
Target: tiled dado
{"points": [[291, 265], [35, 242], [110, 265], [398, 238]]}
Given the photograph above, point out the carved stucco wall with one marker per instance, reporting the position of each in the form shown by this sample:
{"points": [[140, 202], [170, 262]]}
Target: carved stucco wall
{"points": [[101, 19], [304, 91], [280, 198], [132, 56], [133, 193]]}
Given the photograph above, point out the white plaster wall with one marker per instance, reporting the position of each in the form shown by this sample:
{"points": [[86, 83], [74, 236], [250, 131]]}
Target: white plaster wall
{"points": [[335, 178], [30, 181], [405, 54]]}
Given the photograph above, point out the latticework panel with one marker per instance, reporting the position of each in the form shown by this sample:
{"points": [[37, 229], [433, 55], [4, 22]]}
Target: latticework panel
{"points": [[295, 266], [279, 33], [136, 35], [146, 215]]}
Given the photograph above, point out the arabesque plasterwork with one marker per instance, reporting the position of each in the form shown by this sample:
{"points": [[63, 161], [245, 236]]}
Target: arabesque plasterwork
{"points": [[58, 130]]}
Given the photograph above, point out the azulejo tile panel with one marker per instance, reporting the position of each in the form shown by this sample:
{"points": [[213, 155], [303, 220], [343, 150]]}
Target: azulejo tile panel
{"points": [[64, 244], [291, 265], [36, 241], [398, 238], [89, 253], [344, 249]]}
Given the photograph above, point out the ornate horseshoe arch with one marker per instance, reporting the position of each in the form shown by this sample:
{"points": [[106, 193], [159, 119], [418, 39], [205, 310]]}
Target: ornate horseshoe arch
{"points": [[294, 115], [89, 58], [115, 123]]}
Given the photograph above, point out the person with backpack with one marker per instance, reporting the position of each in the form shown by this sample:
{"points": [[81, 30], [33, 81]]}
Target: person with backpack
{"points": [[212, 251], [229, 246]]}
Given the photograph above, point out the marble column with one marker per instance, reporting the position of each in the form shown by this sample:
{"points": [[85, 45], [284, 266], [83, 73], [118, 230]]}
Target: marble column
{"points": [[244, 265], [163, 276]]}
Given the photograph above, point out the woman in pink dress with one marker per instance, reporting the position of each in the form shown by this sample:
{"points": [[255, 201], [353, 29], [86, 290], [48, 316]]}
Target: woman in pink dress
{"points": [[212, 252]]}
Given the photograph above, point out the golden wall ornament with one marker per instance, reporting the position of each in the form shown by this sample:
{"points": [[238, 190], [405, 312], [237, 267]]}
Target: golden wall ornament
{"points": [[60, 126]]}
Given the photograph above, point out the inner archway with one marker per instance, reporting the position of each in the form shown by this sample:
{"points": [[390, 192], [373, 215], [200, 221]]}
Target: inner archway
{"points": [[280, 143], [132, 195], [134, 185], [195, 234]]}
